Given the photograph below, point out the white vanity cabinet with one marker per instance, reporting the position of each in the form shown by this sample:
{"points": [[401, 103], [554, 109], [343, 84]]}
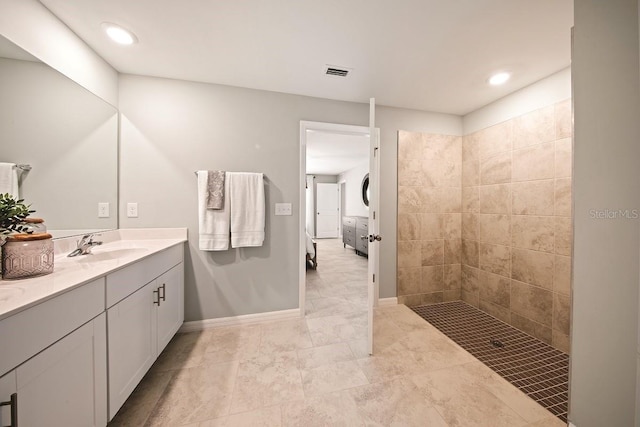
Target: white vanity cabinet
{"points": [[142, 323], [60, 378]]}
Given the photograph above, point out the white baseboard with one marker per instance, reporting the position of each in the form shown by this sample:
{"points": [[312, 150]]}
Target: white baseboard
{"points": [[384, 302], [245, 319]]}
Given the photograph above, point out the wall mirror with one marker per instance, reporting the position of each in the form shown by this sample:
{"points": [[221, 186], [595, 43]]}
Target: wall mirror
{"points": [[69, 138]]}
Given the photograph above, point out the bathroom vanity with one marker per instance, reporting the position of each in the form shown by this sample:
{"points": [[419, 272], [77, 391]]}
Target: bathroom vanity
{"points": [[75, 343]]}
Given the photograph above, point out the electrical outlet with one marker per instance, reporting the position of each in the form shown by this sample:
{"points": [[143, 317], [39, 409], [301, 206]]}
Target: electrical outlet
{"points": [[283, 208], [132, 210], [103, 210]]}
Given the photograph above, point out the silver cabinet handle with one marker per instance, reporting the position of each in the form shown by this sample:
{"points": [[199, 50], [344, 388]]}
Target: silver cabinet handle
{"points": [[364, 237], [161, 296], [13, 403]]}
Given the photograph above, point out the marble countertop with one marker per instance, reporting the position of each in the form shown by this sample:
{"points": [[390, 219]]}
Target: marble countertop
{"points": [[119, 249]]}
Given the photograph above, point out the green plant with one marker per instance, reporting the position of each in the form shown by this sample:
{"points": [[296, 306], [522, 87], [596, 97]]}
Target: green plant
{"points": [[12, 215]]}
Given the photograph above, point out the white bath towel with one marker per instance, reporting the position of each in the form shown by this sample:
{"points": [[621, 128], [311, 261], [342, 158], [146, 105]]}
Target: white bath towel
{"points": [[246, 195], [9, 179], [213, 224]]}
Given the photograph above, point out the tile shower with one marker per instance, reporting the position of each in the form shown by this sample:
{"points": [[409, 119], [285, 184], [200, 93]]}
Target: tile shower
{"points": [[486, 219]]}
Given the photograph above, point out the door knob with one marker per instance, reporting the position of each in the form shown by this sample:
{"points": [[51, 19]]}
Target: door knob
{"points": [[374, 237]]}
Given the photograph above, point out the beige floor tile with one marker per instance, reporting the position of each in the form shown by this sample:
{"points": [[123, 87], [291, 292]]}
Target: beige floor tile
{"points": [[317, 356], [388, 366], [464, 404], [144, 398], [334, 409], [359, 348], [183, 351], [332, 377], [264, 417], [333, 329], [548, 422], [233, 343], [397, 402], [195, 394], [267, 380], [432, 350], [284, 336]]}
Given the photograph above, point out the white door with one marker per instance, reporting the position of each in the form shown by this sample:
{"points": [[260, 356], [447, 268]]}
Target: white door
{"points": [[327, 210], [374, 218]]}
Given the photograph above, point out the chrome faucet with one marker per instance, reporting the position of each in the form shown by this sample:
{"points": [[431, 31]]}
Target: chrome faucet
{"points": [[85, 244]]}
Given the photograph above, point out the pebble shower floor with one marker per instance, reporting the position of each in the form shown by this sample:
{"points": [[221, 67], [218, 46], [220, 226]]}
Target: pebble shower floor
{"points": [[536, 368]]}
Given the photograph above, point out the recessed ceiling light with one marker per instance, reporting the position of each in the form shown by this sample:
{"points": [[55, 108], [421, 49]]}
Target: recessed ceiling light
{"points": [[118, 34], [499, 78]]}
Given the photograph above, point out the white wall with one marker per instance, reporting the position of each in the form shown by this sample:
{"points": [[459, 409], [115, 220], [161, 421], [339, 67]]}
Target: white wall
{"points": [[548, 91], [171, 128], [606, 176], [353, 181], [30, 25]]}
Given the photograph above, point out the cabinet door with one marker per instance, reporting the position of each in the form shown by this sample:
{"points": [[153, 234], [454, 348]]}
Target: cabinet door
{"points": [[7, 388], [132, 343], [66, 384], [171, 309]]}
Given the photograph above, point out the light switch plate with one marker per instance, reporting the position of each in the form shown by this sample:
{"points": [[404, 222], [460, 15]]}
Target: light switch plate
{"points": [[283, 208], [103, 210], [132, 210]]}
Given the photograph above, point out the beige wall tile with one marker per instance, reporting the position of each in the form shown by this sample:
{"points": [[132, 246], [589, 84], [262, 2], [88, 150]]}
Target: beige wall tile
{"points": [[532, 302], [432, 298], [441, 199], [453, 295], [535, 162], [532, 232], [562, 275], [470, 298], [409, 145], [409, 254], [432, 279], [495, 259], [470, 173], [410, 172], [431, 226], [470, 200], [564, 236], [561, 342], [452, 277], [533, 197], [408, 227], [561, 313], [470, 230], [534, 128], [452, 226], [432, 252], [495, 199], [470, 279], [563, 197], [409, 199], [533, 267], [453, 251], [563, 158], [501, 313], [562, 111], [496, 169], [495, 229], [470, 254], [409, 280], [531, 327], [441, 173], [470, 148], [495, 289], [410, 300], [495, 139]]}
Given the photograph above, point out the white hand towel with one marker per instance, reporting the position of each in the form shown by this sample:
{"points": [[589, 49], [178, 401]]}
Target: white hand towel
{"points": [[213, 224], [246, 194], [9, 179]]}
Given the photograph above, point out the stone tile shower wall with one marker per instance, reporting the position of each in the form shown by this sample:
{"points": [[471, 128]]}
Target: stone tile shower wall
{"points": [[429, 218], [515, 247]]}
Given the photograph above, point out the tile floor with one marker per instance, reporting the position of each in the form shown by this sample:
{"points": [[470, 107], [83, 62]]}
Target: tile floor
{"points": [[315, 372]]}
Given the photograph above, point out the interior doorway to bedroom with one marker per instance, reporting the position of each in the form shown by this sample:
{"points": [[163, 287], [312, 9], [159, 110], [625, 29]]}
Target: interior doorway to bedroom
{"points": [[334, 282]]}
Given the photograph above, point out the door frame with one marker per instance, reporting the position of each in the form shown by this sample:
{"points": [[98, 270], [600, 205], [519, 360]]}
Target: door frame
{"points": [[304, 127]]}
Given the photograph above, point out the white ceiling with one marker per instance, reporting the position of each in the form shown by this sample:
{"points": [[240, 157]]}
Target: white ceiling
{"points": [[334, 153], [432, 55]]}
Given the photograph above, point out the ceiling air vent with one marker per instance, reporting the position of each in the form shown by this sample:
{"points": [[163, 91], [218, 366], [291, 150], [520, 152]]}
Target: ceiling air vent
{"points": [[332, 70]]}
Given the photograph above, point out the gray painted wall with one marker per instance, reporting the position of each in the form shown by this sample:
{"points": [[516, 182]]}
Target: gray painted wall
{"points": [[606, 176], [171, 128]]}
